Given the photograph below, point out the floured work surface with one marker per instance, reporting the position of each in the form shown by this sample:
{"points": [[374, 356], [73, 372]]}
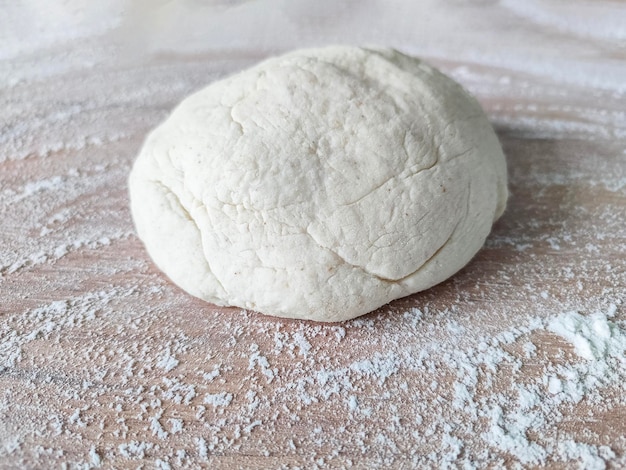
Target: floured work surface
{"points": [[519, 358]]}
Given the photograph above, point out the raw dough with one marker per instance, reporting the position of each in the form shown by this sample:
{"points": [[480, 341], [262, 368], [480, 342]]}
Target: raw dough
{"points": [[319, 185]]}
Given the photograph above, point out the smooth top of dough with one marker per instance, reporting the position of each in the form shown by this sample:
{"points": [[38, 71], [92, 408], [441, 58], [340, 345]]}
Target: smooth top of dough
{"points": [[320, 185]]}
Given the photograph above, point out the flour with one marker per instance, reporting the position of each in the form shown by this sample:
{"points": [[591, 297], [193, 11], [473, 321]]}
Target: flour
{"points": [[95, 458], [176, 425], [202, 448], [257, 360], [218, 399], [135, 449], [167, 362], [594, 337], [512, 363]]}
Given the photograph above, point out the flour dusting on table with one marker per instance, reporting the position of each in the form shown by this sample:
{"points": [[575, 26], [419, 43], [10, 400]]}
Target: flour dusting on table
{"points": [[519, 360]]}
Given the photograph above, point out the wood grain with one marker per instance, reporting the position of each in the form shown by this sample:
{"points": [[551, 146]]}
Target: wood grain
{"points": [[103, 362]]}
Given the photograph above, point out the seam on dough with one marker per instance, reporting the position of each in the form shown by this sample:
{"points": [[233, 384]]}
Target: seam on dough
{"points": [[234, 119], [345, 261], [469, 192], [434, 255], [189, 217]]}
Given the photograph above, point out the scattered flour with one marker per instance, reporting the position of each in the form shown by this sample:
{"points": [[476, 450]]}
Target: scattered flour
{"points": [[479, 402], [167, 362], [94, 457], [594, 337], [104, 363], [218, 399]]}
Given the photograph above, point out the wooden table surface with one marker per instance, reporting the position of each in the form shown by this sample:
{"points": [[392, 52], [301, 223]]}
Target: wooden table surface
{"points": [[103, 362]]}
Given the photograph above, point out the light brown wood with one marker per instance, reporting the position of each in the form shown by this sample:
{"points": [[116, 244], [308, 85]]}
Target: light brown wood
{"points": [[104, 362]]}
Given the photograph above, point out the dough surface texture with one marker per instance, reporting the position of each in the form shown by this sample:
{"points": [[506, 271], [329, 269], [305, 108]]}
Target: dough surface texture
{"points": [[319, 185]]}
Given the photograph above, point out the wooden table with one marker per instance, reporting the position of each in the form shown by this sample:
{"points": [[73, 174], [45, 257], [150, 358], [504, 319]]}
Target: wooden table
{"points": [[103, 362]]}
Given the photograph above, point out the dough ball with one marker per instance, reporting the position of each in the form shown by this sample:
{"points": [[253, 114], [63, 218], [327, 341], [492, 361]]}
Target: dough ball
{"points": [[319, 185]]}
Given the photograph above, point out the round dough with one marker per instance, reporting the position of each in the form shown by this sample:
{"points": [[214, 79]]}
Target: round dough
{"points": [[319, 185]]}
